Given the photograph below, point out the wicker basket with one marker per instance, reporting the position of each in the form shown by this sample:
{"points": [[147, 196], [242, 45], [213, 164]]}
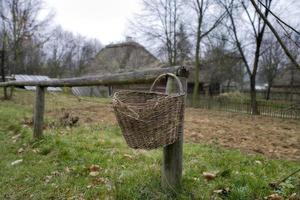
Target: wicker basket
{"points": [[149, 120]]}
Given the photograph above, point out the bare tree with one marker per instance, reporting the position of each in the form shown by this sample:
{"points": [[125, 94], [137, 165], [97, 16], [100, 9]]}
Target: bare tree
{"points": [[2, 64], [184, 45], [266, 21], [272, 59], [60, 50], [3, 39], [23, 27], [86, 51], [206, 22], [68, 55], [159, 23], [257, 29]]}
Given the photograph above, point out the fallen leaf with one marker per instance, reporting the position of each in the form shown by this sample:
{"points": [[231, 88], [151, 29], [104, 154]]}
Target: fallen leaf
{"points": [[196, 178], [274, 197], [16, 137], [100, 180], [35, 150], [218, 191], [209, 175], [17, 162], [21, 150], [48, 179], [55, 173], [224, 191], [95, 173], [89, 186], [258, 162], [67, 169], [294, 197], [128, 156]]}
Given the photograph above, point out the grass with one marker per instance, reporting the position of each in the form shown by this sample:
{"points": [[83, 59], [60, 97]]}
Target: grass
{"points": [[57, 167]]}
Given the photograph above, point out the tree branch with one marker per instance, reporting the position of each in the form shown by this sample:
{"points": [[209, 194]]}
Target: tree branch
{"points": [[276, 35]]}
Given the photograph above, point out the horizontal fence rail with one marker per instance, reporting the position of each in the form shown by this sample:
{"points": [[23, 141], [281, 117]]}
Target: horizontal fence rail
{"points": [[142, 76], [265, 108]]}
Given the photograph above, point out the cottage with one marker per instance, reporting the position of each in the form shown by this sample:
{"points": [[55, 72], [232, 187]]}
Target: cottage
{"points": [[114, 58]]}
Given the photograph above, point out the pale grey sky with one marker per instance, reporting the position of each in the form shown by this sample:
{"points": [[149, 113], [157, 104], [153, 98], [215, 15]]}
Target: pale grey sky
{"points": [[105, 20]]}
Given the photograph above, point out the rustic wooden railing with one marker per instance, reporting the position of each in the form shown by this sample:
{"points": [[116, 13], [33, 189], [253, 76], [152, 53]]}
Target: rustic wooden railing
{"points": [[172, 161]]}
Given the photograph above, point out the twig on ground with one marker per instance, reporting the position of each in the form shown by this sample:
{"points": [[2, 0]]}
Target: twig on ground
{"points": [[276, 184]]}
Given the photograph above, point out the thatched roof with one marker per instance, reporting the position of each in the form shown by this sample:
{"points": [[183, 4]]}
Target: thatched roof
{"points": [[122, 57]]}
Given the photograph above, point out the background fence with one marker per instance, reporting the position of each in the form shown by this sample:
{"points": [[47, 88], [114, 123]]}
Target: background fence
{"points": [[266, 108]]}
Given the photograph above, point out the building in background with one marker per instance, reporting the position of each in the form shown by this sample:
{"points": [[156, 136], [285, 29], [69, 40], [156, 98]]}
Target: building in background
{"points": [[115, 58], [286, 85]]}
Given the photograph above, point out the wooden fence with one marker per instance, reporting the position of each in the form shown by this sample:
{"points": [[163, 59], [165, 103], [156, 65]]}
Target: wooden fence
{"points": [[172, 154], [266, 108]]}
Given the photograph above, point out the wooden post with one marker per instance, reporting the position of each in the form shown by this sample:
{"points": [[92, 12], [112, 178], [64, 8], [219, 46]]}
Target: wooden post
{"points": [[172, 154], [39, 112]]}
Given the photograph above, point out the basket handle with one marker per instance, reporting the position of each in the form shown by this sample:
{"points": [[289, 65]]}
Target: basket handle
{"points": [[177, 80]]}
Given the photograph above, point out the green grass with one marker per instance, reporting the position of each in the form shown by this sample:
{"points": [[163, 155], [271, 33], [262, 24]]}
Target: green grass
{"points": [[57, 167]]}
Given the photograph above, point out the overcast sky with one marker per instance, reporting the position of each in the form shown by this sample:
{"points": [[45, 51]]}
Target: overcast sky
{"points": [[105, 20]]}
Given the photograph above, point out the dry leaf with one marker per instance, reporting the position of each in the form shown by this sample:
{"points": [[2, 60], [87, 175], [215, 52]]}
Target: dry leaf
{"points": [[16, 137], [223, 191], [17, 162], [55, 173], [100, 180], [67, 169], [294, 197], [89, 186], [258, 162], [21, 150], [94, 173], [48, 178], [35, 150], [209, 175], [274, 197], [218, 191], [128, 156]]}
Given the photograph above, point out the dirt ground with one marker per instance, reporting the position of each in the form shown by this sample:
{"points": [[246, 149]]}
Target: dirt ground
{"points": [[275, 138]]}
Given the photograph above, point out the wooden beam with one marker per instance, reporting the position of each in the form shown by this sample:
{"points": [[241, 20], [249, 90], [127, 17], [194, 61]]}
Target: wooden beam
{"points": [[39, 112], [172, 154], [141, 76]]}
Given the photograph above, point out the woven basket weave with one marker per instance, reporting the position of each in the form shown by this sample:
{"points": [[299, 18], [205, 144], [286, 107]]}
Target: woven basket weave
{"points": [[149, 120]]}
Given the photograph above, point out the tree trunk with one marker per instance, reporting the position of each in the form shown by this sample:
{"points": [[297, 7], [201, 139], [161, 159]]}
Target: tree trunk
{"points": [[268, 92], [3, 71], [196, 83], [254, 108], [228, 85], [197, 63]]}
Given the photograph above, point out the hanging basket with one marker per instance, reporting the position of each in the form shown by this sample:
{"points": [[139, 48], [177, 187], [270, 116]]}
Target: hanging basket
{"points": [[149, 120]]}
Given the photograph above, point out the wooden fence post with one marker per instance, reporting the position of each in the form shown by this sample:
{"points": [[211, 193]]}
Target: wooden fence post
{"points": [[172, 154], [39, 112]]}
